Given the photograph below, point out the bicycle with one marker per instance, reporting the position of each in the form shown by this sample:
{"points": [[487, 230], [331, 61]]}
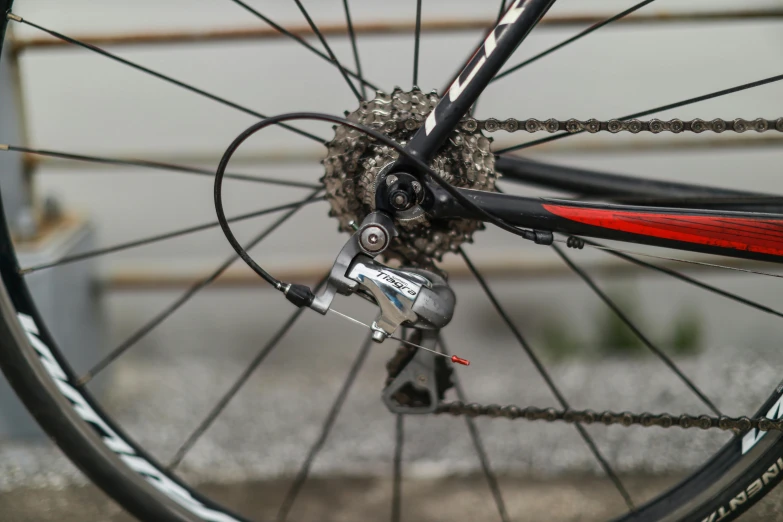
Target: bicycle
{"points": [[411, 176]]}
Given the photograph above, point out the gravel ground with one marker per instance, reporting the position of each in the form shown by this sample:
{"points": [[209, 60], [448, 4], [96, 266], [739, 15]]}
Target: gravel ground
{"points": [[572, 499], [361, 499], [172, 379], [289, 417], [243, 455]]}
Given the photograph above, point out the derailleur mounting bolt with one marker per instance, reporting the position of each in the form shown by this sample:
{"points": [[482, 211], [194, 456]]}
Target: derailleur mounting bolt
{"points": [[373, 239]]}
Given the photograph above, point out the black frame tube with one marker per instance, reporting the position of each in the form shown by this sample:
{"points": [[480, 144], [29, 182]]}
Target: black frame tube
{"points": [[532, 213], [499, 45], [5, 8], [629, 189], [598, 184]]}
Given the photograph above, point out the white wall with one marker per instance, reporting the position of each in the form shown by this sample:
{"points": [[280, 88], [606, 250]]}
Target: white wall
{"points": [[78, 101]]}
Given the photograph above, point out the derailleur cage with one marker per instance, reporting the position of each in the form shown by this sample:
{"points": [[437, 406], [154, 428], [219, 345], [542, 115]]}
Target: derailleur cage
{"points": [[418, 379]]}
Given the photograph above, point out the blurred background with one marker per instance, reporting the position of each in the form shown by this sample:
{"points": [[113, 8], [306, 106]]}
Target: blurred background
{"points": [[68, 99]]}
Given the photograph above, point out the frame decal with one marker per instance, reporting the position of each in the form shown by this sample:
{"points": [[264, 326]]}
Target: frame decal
{"points": [[764, 236]]}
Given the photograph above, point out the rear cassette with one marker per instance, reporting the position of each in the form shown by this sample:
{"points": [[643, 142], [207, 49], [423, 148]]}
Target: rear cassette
{"points": [[354, 163]]}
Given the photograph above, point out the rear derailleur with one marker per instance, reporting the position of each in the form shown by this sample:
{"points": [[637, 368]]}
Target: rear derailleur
{"points": [[414, 298]]}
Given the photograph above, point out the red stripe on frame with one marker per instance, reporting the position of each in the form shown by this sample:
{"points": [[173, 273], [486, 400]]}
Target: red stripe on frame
{"points": [[754, 235]]}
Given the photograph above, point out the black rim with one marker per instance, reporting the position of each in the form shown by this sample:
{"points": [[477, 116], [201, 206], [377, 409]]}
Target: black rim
{"points": [[760, 459]]}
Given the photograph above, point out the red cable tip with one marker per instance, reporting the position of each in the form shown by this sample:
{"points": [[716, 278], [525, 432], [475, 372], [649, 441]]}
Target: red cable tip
{"points": [[460, 360]]}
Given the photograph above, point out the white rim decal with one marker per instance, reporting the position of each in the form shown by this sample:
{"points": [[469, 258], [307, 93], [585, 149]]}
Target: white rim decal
{"points": [[113, 441]]}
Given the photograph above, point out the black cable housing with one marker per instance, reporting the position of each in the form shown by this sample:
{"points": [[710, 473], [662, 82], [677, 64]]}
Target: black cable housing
{"points": [[422, 172]]}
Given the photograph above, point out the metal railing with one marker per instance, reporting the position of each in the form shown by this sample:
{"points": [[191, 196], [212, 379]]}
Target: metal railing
{"points": [[504, 266], [161, 278], [384, 28]]}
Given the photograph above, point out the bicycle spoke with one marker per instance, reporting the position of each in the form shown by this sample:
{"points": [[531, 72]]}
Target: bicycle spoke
{"points": [[501, 12], [502, 9], [355, 48], [158, 165], [416, 39], [304, 470], [675, 259], [184, 298], [571, 40], [161, 237], [283, 30], [236, 387], [328, 49], [163, 77], [478, 444], [399, 440], [548, 380], [689, 101], [690, 280], [643, 338]]}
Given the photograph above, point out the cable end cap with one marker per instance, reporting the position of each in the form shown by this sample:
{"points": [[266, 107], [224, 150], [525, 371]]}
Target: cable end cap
{"points": [[299, 295], [460, 360]]}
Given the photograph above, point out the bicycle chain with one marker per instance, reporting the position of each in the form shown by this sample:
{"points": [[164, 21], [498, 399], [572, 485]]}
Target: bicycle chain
{"points": [[609, 418], [626, 419], [633, 126]]}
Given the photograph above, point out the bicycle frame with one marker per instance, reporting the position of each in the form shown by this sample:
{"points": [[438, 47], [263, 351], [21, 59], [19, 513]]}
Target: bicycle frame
{"points": [[499, 45], [723, 230], [736, 234]]}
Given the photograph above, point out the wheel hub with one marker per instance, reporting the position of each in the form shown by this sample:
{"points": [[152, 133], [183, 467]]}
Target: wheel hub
{"points": [[355, 162]]}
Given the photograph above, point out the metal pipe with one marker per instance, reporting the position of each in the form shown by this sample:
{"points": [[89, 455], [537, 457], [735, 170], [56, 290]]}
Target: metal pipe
{"points": [[505, 267], [379, 28], [304, 155]]}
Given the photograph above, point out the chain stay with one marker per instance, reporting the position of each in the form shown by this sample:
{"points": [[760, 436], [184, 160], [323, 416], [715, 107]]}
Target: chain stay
{"points": [[662, 420]]}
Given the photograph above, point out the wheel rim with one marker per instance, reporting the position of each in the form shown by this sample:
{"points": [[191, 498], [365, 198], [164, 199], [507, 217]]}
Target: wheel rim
{"points": [[23, 304]]}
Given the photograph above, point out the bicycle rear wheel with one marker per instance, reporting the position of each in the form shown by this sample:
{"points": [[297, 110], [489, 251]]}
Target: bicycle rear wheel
{"points": [[725, 487]]}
